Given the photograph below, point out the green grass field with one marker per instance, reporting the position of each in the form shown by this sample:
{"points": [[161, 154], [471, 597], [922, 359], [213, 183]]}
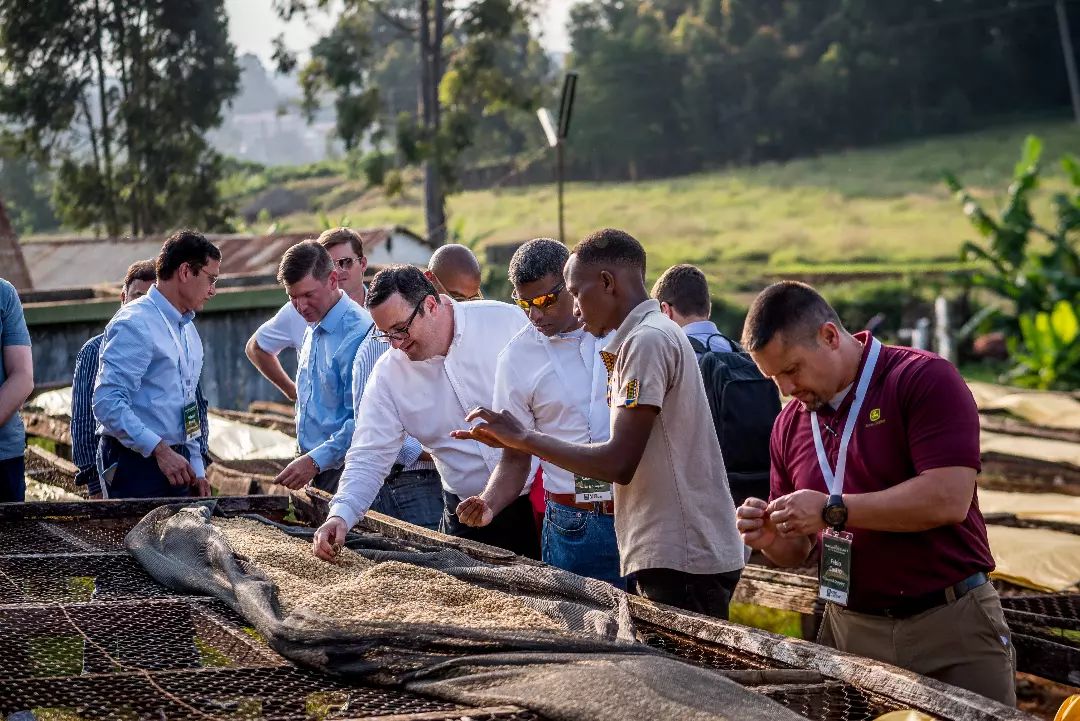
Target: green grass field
{"points": [[882, 206]]}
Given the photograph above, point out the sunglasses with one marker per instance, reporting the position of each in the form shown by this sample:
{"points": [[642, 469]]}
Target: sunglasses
{"points": [[403, 332], [345, 263], [542, 302]]}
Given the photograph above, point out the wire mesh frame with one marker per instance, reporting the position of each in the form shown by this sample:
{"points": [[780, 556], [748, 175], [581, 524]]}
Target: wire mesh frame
{"points": [[190, 657]]}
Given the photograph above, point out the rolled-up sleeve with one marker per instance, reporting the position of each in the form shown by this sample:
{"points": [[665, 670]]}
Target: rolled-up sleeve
{"points": [[376, 440], [125, 357]]}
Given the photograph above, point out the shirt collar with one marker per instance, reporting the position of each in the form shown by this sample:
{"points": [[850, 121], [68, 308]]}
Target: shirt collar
{"points": [[334, 316], [172, 315], [631, 321], [701, 327]]}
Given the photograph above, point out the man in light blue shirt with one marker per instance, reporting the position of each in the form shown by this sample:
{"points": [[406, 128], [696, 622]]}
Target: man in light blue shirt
{"points": [[683, 293], [16, 383], [145, 394], [324, 389]]}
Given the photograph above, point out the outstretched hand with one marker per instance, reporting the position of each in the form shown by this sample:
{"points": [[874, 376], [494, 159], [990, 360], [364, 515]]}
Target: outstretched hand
{"points": [[498, 430]]}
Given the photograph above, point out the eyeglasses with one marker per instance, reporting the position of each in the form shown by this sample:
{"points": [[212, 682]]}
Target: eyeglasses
{"points": [[542, 302], [199, 270], [403, 332], [346, 263], [460, 298]]}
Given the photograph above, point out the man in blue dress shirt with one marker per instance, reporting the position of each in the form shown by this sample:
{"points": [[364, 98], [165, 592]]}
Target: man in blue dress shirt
{"points": [[139, 278], [683, 292], [16, 383], [145, 398], [324, 392]]}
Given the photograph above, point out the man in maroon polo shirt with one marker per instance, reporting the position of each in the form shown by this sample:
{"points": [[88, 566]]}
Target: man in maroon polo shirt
{"points": [[896, 516]]}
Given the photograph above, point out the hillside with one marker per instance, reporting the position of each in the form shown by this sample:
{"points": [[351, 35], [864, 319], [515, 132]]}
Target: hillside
{"points": [[867, 207]]}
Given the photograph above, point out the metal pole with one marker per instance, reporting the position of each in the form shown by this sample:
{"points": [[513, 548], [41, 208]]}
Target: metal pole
{"points": [[559, 179], [1070, 58]]}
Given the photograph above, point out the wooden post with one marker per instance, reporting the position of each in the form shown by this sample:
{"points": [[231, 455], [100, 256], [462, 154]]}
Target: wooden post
{"points": [[12, 261], [1070, 57], [942, 330], [920, 336]]}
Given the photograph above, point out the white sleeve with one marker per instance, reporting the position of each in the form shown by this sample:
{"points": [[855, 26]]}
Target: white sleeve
{"points": [[376, 440], [284, 330], [511, 393]]}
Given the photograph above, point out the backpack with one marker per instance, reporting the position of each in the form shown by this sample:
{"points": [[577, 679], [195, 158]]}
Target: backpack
{"points": [[744, 404]]}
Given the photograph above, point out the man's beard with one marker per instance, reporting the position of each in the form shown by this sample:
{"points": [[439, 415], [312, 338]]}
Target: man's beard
{"points": [[815, 403]]}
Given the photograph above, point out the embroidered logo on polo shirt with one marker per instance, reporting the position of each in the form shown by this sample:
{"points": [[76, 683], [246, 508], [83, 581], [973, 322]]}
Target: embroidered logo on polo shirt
{"points": [[630, 394], [875, 418]]}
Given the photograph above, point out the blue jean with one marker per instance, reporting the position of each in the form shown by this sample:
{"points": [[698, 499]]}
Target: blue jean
{"points": [[412, 496], [13, 480], [582, 542]]}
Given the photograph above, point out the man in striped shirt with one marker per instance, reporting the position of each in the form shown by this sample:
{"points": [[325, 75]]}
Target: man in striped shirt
{"points": [[84, 438]]}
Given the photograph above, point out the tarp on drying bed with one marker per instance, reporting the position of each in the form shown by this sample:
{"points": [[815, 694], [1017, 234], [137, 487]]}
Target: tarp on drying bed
{"points": [[592, 670]]}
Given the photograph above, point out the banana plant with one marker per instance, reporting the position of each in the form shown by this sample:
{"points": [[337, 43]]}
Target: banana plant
{"points": [[1047, 352]]}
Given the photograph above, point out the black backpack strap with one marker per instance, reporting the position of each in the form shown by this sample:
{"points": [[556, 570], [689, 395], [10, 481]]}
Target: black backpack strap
{"points": [[735, 347], [697, 346]]}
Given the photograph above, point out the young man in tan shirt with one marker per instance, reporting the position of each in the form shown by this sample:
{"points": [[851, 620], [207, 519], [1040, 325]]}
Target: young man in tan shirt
{"points": [[674, 517]]}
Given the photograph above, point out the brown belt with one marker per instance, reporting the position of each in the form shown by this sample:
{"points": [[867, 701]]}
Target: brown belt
{"points": [[606, 508]]}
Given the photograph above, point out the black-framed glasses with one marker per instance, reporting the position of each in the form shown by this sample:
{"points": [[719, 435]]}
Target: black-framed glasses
{"points": [[403, 332], [346, 263], [541, 302], [460, 298]]}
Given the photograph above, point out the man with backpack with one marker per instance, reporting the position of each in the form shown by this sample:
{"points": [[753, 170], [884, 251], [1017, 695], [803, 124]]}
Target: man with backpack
{"points": [[743, 402]]}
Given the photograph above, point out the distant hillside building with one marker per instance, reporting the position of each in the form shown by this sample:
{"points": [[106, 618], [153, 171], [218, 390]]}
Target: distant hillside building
{"points": [[82, 262]]}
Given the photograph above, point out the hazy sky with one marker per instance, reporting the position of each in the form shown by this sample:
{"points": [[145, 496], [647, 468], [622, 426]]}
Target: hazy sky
{"points": [[253, 24]]}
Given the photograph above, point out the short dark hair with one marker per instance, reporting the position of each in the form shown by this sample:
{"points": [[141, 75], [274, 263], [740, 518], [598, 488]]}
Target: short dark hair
{"points": [[339, 236], [143, 270], [185, 246], [685, 288], [789, 307], [611, 246], [305, 258], [408, 280], [537, 258]]}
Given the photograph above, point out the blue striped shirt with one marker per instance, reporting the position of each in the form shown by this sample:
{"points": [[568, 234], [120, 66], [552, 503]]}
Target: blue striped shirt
{"points": [[371, 350], [84, 435]]}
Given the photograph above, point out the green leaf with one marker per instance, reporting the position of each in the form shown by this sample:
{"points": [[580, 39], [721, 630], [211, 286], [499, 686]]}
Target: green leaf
{"points": [[1029, 157], [1064, 322]]}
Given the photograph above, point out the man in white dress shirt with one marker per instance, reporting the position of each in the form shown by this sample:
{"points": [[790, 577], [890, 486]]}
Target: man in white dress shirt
{"points": [[441, 365], [286, 328], [552, 377]]}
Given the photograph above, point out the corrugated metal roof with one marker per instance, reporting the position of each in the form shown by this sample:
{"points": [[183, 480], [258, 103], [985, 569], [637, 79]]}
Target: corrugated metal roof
{"points": [[82, 262]]}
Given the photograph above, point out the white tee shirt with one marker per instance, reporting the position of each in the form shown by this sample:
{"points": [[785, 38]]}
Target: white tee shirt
{"points": [[557, 386], [284, 330], [427, 400]]}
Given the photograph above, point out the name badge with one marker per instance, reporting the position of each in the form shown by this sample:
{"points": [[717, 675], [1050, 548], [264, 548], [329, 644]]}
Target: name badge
{"points": [[834, 574], [587, 490], [192, 427]]}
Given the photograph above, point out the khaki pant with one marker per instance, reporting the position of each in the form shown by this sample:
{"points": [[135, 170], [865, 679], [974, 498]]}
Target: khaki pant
{"points": [[965, 643]]}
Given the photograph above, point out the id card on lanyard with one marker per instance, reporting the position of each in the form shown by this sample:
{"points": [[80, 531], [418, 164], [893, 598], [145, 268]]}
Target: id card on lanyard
{"points": [[189, 379], [586, 490], [834, 574]]}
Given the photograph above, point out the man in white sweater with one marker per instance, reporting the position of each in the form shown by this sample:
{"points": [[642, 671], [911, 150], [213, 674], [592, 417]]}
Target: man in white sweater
{"points": [[441, 365]]}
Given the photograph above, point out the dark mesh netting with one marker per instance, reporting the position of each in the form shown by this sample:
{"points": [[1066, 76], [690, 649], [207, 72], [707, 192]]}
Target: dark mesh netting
{"points": [[589, 668]]}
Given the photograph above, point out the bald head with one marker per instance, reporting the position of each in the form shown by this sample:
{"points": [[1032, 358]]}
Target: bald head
{"points": [[454, 270]]}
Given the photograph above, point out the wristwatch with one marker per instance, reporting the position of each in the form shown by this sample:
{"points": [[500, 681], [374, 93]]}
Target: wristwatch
{"points": [[835, 513]]}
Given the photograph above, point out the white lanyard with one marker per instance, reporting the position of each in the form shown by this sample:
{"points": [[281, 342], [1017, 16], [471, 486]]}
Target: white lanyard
{"points": [[184, 362], [835, 481], [592, 356]]}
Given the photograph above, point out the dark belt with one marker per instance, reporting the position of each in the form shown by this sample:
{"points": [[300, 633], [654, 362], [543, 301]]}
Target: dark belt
{"points": [[604, 508], [918, 604]]}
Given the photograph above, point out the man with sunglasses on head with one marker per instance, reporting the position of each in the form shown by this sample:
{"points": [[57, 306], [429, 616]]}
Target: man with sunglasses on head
{"points": [[286, 329], [442, 364], [145, 394], [337, 325], [551, 376], [455, 271]]}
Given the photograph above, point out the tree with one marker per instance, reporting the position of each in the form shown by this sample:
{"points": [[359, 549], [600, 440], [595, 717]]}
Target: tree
{"points": [[466, 56], [117, 95]]}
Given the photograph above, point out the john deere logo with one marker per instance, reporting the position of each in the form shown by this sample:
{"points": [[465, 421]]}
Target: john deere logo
{"points": [[875, 415]]}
